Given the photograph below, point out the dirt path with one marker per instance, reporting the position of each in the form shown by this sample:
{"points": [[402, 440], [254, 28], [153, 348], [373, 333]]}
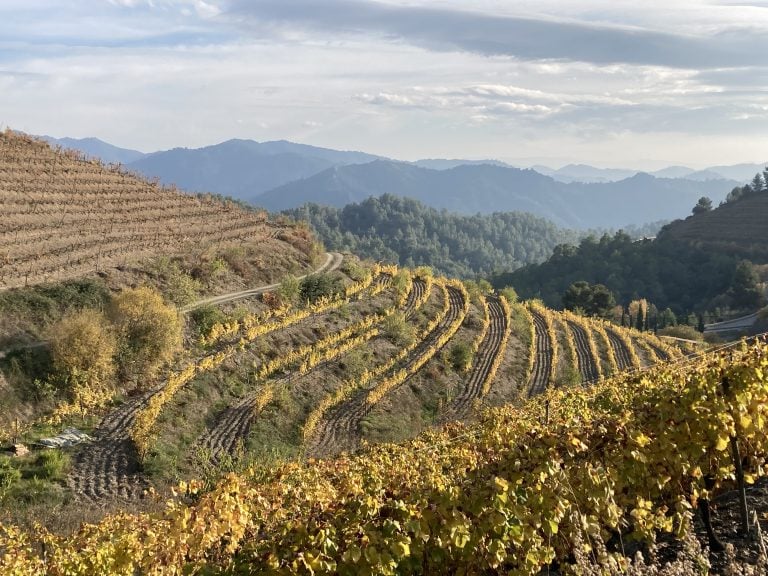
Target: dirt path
{"points": [[332, 261], [661, 354], [542, 364], [489, 348], [620, 352], [108, 467], [339, 430], [587, 367]]}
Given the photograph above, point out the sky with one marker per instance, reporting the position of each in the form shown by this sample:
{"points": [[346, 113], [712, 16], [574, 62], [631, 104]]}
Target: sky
{"points": [[611, 83]]}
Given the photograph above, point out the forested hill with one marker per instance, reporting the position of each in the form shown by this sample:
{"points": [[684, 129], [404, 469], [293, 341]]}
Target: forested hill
{"points": [[405, 231], [739, 226], [486, 189], [699, 264]]}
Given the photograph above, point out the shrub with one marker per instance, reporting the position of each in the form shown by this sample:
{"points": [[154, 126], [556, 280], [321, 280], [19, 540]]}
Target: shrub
{"points": [[353, 270], [9, 475], [315, 286], [205, 317], [682, 331], [83, 348], [149, 331], [289, 290], [52, 464], [509, 293], [398, 330], [461, 356]]}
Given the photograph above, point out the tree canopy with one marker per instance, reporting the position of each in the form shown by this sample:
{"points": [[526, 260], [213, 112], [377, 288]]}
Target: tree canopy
{"points": [[670, 273], [406, 232]]}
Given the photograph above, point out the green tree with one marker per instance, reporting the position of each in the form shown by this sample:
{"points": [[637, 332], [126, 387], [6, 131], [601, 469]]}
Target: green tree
{"points": [[315, 286], [745, 289], [593, 299], [703, 205]]}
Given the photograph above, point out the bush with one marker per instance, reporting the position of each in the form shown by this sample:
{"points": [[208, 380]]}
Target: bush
{"points": [[353, 270], [149, 331], [315, 286], [52, 464], [205, 317], [682, 331], [83, 348], [9, 475], [289, 290], [461, 356], [398, 330], [509, 293]]}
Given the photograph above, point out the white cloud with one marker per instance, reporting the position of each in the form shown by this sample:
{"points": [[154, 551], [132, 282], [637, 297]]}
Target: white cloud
{"points": [[161, 73]]}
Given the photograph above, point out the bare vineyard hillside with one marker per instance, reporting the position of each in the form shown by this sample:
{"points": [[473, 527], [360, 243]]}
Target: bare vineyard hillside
{"points": [[64, 216]]}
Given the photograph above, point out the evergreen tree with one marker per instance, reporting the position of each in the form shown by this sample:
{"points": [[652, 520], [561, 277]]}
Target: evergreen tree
{"points": [[703, 205]]}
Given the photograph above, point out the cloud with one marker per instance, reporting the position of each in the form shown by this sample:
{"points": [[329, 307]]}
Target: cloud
{"points": [[450, 29]]}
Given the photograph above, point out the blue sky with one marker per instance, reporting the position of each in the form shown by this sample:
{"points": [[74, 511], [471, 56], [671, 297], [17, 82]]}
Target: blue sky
{"points": [[611, 83]]}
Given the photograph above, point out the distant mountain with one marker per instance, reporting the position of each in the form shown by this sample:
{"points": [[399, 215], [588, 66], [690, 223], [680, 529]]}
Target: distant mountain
{"points": [[95, 148], [704, 175], [484, 189], [673, 172], [585, 173], [242, 168], [441, 164], [742, 173]]}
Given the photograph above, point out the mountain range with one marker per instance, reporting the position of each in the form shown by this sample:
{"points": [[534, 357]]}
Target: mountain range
{"points": [[279, 175], [484, 189]]}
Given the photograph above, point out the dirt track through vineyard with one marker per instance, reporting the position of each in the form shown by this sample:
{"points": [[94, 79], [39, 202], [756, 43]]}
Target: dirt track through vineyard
{"points": [[489, 348], [586, 361], [620, 352], [339, 430], [108, 468], [542, 364], [660, 353]]}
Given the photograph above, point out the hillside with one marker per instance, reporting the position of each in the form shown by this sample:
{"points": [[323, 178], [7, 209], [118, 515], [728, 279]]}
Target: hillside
{"points": [[381, 358], [694, 265], [65, 216], [404, 231], [518, 489], [484, 189], [739, 227], [242, 169]]}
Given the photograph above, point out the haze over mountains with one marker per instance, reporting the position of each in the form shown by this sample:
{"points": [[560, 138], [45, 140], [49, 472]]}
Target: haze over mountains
{"points": [[280, 175]]}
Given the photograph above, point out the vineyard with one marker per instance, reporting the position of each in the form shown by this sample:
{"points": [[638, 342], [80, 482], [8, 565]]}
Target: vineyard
{"points": [[517, 491], [399, 422], [65, 216], [312, 379]]}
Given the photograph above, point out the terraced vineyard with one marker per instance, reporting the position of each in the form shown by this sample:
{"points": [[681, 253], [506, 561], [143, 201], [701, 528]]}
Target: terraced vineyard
{"points": [[65, 216], [542, 364], [487, 358], [322, 338], [339, 430]]}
